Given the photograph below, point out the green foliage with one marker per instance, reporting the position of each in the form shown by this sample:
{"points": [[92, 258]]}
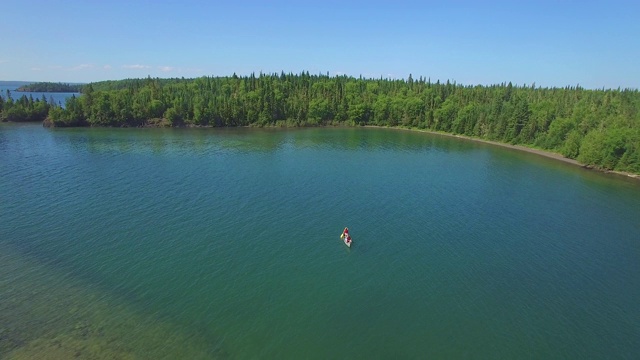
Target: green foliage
{"points": [[25, 109], [598, 127], [571, 146], [611, 149], [557, 133]]}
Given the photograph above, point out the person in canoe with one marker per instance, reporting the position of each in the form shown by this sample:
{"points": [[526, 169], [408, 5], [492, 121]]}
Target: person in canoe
{"points": [[346, 237]]}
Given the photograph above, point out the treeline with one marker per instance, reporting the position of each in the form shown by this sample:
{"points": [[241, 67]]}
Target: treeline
{"points": [[50, 87], [132, 83], [600, 128], [24, 109]]}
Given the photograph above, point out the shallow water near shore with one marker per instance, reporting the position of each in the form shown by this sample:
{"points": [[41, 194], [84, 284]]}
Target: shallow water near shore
{"points": [[224, 243]]}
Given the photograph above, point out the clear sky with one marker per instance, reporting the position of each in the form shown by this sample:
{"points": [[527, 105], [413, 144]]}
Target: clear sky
{"points": [[549, 43]]}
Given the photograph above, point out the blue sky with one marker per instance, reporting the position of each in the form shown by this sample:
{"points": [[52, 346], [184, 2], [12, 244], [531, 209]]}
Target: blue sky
{"points": [[549, 43]]}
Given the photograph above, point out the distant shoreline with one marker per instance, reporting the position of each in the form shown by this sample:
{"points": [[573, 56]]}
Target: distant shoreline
{"points": [[22, 90], [49, 87], [547, 154]]}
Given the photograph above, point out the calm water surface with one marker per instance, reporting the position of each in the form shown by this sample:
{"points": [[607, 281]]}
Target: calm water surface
{"points": [[51, 97], [226, 243]]}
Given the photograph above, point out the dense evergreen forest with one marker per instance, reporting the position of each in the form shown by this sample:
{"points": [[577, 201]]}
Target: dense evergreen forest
{"points": [[24, 109], [50, 87], [599, 128]]}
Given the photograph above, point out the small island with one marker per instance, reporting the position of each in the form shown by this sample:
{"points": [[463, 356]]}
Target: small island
{"points": [[51, 87]]}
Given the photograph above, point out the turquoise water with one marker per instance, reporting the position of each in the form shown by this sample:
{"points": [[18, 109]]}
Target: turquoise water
{"points": [[230, 238]]}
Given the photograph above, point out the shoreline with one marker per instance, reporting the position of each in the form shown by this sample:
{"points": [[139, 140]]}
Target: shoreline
{"points": [[544, 153]]}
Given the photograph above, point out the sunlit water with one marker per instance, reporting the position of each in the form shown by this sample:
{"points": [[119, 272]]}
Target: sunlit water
{"points": [[225, 243]]}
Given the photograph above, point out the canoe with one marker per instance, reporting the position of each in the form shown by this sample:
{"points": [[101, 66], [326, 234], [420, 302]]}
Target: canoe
{"points": [[344, 238]]}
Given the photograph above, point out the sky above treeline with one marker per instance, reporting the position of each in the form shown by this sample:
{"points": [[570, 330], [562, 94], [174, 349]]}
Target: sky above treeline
{"points": [[546, 43]]}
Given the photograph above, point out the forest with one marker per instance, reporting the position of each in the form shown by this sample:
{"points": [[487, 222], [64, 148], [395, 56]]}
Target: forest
{"points": [[599, 128], [24, 108], [50, 87]]}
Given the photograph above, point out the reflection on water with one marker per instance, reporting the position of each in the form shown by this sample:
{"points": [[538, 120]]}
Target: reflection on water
{"points": [[208, 141]]}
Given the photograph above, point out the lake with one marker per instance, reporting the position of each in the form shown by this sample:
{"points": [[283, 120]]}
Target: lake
{"points": [[224, 243], [58, 98]]}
